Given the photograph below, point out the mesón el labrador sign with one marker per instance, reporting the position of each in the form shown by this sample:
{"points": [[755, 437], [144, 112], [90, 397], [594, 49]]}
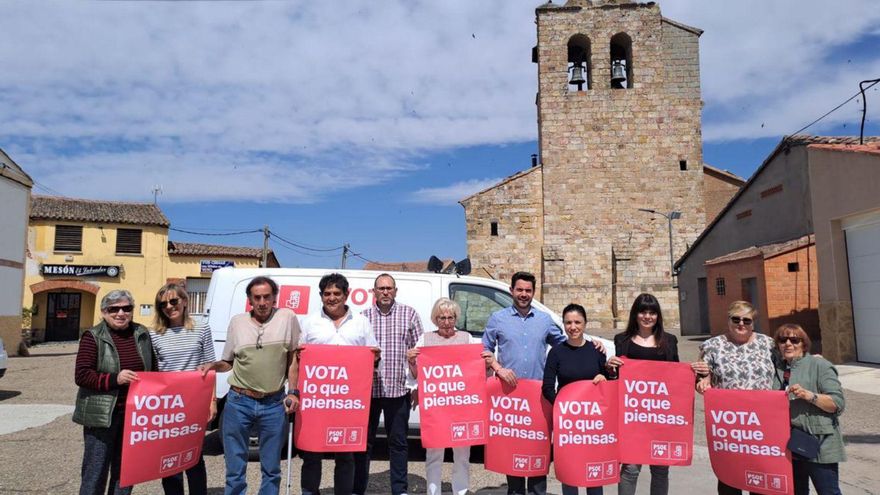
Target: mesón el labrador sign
{"points": [[79, 270]]}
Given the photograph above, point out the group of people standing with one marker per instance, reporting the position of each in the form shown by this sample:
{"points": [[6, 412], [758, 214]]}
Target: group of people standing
{"points": [[261, 354]]}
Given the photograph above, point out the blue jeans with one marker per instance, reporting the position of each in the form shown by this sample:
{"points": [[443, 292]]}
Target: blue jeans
{"points": [[396, 414], [824, 476], [267, 414]]}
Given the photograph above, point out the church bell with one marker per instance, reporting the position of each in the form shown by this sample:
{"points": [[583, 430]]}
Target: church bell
{"points": [[618, 72], [577, 75]]}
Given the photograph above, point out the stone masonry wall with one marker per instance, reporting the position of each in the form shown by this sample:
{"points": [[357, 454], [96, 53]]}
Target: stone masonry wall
{"points": [[517, 206], [608, 152]]}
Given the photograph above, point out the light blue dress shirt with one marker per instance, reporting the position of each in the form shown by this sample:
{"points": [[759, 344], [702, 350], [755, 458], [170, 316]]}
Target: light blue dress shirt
{"points": [[522, 341]]}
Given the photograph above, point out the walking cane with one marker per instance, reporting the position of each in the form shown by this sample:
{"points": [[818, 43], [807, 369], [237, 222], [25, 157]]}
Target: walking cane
{"points": [[287, 403]]}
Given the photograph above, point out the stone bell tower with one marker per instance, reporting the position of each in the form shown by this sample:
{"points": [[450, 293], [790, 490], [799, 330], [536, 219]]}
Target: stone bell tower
{"points": [[619, 132]]}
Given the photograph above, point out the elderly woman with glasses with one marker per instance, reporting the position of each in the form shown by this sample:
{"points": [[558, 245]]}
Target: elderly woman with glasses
{"points": [[182, 345], [108, 360], [816, 402], [444, 314], [738, 359]]}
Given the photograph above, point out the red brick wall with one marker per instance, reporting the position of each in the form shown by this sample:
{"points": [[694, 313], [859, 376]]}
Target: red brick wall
{"points": [[793, 297], [733, 273]]}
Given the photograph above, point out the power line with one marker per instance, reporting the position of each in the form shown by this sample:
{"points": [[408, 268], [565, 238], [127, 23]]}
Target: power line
{"points": [[832, 110], [214, 234], [301, 246], [305, 253]]}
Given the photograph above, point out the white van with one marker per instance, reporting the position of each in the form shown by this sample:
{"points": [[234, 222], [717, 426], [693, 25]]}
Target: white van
{"points": [[298, 290]]}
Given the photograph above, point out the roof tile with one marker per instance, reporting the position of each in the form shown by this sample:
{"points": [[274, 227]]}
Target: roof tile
{"points": [[86, 210]]}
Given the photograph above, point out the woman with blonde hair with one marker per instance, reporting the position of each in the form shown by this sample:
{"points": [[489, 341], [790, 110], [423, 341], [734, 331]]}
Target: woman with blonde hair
{"points": [[444, 314], [182, 345], [816, 401], [739, 359]]}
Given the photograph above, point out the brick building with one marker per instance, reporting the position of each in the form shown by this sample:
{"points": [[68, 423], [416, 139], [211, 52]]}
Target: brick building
{"points": [[801, 242], [782, 278], [618, 131]]}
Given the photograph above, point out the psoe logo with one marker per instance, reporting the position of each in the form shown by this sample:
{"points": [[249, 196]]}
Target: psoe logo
{"points": [[520, 462], [169, 462], [538, 462], [335, 436], [594, 471], [475, 430], [353, 435], [609, 467], [659, 450], [294, 298], [777, 483], [459, 431], [188, 456], [756, 479], [678, 451]]}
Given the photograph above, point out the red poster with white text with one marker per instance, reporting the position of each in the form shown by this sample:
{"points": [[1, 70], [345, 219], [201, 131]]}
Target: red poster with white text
{"points": [[335, 384], [166, 414], [585, 434], [519, 429], [656, 421], [747, 432], [453, 405]]}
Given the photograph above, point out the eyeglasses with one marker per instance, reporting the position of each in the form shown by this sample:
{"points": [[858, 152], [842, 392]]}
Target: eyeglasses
{"points": [[115, 309], [736, 320], [384, 289], [260, 337], [794, 340], [171, 302], [445, 318]]}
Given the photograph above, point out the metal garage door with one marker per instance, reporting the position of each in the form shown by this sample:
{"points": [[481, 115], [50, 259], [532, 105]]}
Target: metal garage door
{"points": [[863, 253]]}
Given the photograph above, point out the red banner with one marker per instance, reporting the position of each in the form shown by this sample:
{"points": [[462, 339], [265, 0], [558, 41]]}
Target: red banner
{"points": [[585, 434], [747, 432], [453, 404], [335, 385], [656, 403], [519, 429], [166, 415]]}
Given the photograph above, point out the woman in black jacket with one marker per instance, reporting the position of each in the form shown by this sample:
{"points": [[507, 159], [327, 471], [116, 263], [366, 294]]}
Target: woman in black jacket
{"points": [[644, 338]]}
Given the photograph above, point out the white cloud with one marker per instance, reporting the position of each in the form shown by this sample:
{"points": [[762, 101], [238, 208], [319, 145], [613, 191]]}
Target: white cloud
{"points": [[305, 98], [450, 195]]}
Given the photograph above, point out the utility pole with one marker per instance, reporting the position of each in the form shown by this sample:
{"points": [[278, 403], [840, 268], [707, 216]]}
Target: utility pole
{"points": [[346, 248], [265, 246]]}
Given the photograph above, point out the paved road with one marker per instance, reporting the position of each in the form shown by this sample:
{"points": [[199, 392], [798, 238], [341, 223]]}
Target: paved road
{"points": [[41, 449]]}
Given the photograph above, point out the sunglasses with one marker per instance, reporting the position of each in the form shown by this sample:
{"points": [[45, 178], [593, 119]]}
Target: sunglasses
{"points": [[171, 302], [793, 340], [115, 309], [736, 320]]}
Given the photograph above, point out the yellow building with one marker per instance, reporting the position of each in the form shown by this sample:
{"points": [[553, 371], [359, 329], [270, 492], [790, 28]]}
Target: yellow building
{"points": [[78, 250]]}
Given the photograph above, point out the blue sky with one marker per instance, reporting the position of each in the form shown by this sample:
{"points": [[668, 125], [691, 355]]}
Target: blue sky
{"points": [[365, 122]]}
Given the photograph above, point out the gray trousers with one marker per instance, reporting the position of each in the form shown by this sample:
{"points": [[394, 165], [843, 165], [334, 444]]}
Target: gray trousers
{"points": [[629, 477], [102, 453]]}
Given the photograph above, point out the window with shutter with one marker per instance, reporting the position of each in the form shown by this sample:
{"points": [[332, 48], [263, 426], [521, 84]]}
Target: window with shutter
{"points": [[68, 238], [128, 241]]}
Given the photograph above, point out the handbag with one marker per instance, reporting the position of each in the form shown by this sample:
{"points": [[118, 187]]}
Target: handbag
{"points": [[803, 444]]}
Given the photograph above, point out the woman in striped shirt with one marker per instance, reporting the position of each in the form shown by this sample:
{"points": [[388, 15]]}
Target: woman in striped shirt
{"points": [[181, 345]]}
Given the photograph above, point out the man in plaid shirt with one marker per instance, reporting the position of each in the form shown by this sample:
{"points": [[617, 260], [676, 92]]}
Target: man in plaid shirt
{"points": [[397, 328]]}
